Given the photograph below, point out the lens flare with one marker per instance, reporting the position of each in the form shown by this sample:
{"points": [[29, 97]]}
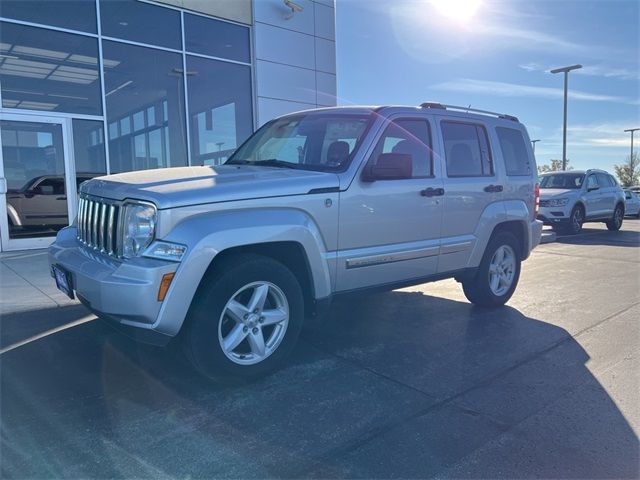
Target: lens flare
{"points": [[461, 11]]}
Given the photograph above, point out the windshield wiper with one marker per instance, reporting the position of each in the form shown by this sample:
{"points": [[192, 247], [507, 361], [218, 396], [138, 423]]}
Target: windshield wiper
{"points": [[271, 162]]}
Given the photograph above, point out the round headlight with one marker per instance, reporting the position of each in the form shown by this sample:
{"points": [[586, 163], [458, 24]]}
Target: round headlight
{"points": [[139, 226]]}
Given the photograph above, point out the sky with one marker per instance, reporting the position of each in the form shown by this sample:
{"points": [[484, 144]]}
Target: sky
{"points": [[496, 55]]}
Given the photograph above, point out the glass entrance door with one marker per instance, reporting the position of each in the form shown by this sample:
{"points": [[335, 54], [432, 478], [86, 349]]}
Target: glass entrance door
{"points": [[35, 180]]}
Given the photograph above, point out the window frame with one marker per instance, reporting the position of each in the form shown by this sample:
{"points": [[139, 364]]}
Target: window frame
{"points": [[488, 145], [388, 125]]}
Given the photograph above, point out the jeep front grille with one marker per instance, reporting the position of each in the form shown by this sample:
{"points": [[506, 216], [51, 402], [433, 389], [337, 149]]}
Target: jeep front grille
{"points": [[98, 224], [544, 203]]}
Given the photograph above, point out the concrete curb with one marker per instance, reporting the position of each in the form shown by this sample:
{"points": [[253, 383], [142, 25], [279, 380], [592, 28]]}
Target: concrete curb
{"points": [[548, 237]]}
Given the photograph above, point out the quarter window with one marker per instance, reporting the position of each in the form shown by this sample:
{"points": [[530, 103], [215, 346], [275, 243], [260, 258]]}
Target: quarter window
{"points": [[514, 151], [467, 150], [409, 137]]}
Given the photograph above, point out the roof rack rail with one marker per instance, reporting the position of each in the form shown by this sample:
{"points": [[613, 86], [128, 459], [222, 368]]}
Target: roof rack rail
{"points": [[432, 105], [441, 106]]}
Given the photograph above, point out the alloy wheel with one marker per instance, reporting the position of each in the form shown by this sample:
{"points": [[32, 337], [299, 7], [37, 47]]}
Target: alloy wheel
{"points": [[253, 323], [502, 270]]}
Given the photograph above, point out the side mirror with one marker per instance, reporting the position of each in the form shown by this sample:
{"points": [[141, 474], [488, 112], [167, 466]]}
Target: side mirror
{"points": [[591, 189], [390, 166]]}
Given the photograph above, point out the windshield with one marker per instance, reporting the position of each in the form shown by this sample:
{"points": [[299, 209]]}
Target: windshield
{"points": [[315, 141], [562, 180]]}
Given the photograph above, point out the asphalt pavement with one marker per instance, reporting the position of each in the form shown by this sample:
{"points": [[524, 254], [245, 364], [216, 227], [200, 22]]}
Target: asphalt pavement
{"points": [[412, 383]]}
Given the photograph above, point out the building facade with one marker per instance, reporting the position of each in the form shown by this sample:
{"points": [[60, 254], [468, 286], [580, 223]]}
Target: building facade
{"points": [[94, 87]]}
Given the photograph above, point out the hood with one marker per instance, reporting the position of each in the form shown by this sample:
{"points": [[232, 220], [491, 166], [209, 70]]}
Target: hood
{"points": [[547, 193], [183, 186]]}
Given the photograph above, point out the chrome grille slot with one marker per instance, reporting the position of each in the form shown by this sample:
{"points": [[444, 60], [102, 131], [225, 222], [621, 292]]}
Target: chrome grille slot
{"points": [[110, 226], [79, 223], [98, 224]]}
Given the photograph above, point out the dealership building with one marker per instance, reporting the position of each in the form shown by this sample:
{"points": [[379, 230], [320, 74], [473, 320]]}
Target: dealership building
{"points": [[91, 87]]}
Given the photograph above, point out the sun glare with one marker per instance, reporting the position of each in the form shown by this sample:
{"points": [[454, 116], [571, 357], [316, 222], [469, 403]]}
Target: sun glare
{"points": [[459, 10]]}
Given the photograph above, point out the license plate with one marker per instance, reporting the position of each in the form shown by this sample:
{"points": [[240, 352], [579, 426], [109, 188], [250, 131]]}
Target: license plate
{"points": [[63, 280]]}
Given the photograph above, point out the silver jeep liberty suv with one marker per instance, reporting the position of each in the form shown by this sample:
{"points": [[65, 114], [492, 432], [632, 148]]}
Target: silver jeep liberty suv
{"points": [[230, 259]]}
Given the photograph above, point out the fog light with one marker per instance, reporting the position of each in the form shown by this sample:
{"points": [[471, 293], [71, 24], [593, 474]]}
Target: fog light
{"points": [[165, 283]]}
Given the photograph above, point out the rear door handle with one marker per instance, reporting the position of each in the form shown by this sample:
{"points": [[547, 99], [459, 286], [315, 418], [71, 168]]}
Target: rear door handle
{"points": [[432, 192], [493, 188]]}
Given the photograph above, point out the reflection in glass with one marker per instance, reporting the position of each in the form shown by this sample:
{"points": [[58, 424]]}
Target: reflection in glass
{"points": [[33, 160], [88, 149], [72, 14], [141, 22], [47, 70], [216, 38], [221, 117], [145, 92]]}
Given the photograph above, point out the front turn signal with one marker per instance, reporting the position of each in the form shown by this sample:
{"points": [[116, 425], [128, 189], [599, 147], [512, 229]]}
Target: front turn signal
{"points": [[165, 283]]}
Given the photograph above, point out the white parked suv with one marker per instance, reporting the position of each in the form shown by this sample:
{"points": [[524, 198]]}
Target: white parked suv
{"points": [[569, 199], [632, 203], [230, 259]]}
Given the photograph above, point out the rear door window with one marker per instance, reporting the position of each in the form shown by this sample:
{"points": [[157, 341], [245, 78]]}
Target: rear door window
{"points": [[514, 151], [467, 150]]}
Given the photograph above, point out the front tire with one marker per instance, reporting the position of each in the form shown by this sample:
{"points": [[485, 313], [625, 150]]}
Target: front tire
{"points": [[245, 319], [575, 220], [616, 221], [497, 276]]}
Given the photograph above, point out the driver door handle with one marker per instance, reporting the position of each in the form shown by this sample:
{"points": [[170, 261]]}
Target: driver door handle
{"points": [[432, 192]]}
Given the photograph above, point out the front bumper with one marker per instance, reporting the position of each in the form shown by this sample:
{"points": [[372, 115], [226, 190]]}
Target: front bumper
{"points": [[554, 215], [123, 293]]}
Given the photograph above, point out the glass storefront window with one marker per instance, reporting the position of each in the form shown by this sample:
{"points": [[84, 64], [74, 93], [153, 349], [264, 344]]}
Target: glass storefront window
{"points": [[72, 14], [141, 22], [221, 117], [88, 149], [216, 38], [48, 70], [33, 159], [144, 89]]}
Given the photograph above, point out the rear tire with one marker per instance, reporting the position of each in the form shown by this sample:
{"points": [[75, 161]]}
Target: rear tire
{"points": [[497, 276], [616, 221], [245, 319]]}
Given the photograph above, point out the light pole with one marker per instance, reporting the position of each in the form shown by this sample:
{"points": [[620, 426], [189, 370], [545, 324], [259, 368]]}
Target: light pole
{"points": [[631, 130], [566, 71], [533, 143]]}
